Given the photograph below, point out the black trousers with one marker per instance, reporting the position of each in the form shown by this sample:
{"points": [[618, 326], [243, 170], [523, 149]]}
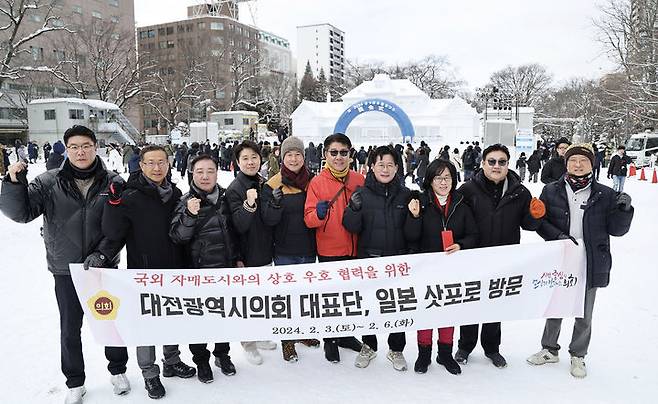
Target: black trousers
{"points": [[201, 354], [322, 258], [396, 341], [70, 323], [489, 338]]}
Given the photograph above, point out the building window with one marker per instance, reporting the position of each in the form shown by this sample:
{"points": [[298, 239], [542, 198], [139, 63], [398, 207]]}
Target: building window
{"points": [[170, 44], [245, 121], [201, 25], [60, 55], [77, 114], [217, 26], [77, 10], [161, 31], [170, 30], [162, 45], [97, 14], [114, 3], [36, 18], [57, 23], [114, 19], [218, 39], [228, 121], [49, 115], [151, 33], [143, 34], [219, 94], [37, 53]]}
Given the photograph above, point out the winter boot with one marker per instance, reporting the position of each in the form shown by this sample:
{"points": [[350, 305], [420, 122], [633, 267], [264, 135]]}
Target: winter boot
{"points": [[350, 343], [311, 343], [497, 359], [578, 368], [251, 353], [75, 395], [461, 356], [364, 357], [154, 388], [223, 362], [331, 351], [179, 369], [266, 345], [120, 384], [397, 359], [204, 373], [424, 358], [445, 358], [542, 357], [289, 351]]}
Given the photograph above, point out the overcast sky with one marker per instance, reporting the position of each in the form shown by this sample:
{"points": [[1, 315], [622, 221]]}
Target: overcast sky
{"points": [[478, 36]]}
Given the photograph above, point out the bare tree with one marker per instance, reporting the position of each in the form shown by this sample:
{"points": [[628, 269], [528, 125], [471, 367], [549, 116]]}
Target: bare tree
{"points": [[526, 83], [628, 35], [279, 91], [16, 33]]}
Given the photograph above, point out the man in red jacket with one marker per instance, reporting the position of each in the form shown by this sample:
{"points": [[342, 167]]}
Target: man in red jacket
{"points": [[326, 199]]}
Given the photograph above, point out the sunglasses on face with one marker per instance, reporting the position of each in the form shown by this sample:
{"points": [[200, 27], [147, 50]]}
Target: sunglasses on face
{"points": [[335, 153], [501, 162]]}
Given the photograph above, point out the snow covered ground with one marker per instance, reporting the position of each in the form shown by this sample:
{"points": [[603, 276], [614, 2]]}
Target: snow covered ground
{"points": [[621, 363]]}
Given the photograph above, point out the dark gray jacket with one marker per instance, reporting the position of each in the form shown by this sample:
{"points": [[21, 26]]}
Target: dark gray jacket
{"points": [[71, 223]]}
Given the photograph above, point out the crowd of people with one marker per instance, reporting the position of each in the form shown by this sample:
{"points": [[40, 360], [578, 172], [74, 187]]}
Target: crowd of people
{"points": [[313, 203]]}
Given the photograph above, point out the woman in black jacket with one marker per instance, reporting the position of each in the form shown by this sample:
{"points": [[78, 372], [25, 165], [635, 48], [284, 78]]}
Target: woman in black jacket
{"points": [[440, 213], [201, 224], [282, 208], [375, 213]]}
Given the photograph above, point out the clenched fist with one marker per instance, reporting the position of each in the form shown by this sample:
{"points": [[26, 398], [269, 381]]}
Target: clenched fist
{"points": [[537, 208], [252, 194], [194, 205], [414, 207]]}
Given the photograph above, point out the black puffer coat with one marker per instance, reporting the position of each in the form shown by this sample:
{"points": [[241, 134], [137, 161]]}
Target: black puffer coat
{"points": [[255, 237], [380, 221], [291, 236], [208, 239], [602, 219], [499, 224], [553, 170], [142, 220], [425, 231], [71, 223]]}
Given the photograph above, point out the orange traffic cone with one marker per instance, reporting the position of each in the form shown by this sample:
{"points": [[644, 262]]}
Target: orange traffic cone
{"points": [[632, 170], [642, 177], [654, 180]]}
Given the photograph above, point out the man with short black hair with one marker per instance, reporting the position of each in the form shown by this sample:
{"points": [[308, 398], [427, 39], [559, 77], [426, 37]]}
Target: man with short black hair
{"points": [[139, 216], [502, 207], [618, 168], [554, 168], [71, 200]]}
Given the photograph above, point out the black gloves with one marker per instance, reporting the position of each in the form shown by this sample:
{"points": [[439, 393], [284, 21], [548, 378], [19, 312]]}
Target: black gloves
{"points": [[356, 201], [624, 201], [277, 195], [321, 209], [96, 260], [563, 236]]}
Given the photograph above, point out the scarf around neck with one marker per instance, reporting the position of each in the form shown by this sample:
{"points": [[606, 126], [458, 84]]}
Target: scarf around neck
{"points": [[339, 174], [578, 182], [165, 190], [297, 180]]}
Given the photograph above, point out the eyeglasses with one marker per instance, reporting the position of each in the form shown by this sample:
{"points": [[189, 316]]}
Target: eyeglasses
{"points": [[439, 180], [151, 164], [335, 153], [501, 162], [385, 166], [85, 147]]}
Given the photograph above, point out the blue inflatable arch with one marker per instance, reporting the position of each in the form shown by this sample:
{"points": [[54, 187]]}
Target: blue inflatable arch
{"points": [[378, 105]]}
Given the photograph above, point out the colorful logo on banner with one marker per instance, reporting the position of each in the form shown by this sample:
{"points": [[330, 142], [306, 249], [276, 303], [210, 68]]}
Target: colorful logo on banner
{"points": [[103, 306]]}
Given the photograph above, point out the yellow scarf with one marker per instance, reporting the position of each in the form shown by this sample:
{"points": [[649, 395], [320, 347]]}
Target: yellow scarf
{"points": [[338, 174]]}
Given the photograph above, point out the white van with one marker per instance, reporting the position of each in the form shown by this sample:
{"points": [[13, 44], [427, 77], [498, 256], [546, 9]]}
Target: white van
{"points": [[641, 146]]}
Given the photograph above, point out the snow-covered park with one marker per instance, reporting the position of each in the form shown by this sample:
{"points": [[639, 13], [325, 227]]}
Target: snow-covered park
{"points": [[621, 360]]}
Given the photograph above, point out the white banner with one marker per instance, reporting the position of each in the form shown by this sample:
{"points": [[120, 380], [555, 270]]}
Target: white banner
{"points": [[356, 297]]}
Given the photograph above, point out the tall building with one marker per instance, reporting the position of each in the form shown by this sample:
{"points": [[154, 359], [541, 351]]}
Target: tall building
{"points": [[226, 51], [323, 46], [46, 50], [276, 55]]}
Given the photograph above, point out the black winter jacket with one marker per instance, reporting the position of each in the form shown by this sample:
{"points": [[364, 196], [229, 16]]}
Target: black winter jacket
{"points": [[141, 220], [291, 236], [553, 170], [71, 223], [380, 221], [255, 237], [601, 220], [534, 163], [618, 165], [499, 224], [426, 229], [55, 160], [208, 238]]}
